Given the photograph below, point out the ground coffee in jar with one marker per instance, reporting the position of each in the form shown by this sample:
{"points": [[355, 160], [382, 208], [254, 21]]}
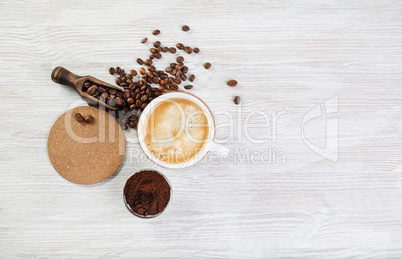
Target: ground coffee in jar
{"points": [[147, 193]]}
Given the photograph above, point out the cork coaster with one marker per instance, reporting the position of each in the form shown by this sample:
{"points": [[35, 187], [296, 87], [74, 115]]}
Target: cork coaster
{"points": [[86, 153]]}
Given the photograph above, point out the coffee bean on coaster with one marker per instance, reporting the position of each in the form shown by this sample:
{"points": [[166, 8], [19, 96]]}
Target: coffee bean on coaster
{"points": [[86, 151], [147, 193]]}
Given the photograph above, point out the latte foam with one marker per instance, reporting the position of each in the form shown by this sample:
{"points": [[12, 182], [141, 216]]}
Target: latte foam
{"points": [[176, 130]]}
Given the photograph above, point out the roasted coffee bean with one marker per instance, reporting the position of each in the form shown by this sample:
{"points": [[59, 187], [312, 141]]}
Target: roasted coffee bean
{"points": [[125, 110], [158, 93], [129, 76], [104, 97], [179, 66], [140, 61], [87, 84], [177, 80], [127, 94], [162, 88], [174, 71], [89, 119], [138, 103], [165, 49], [118, 70], [162, 82], [143, 106], [172, 65], [237, 100], [137, 96], [143, 87], [144, 98], [112, 71], [154, 89], [111, 102], [119, 101], [153, 50], [144, 40], [148, 62], [183, 77], [170, 80], [122, 73], [207, 65], [179, 59], [152, 56], [185, 28], [196, 50], [148, 92], [102, 89], [156, 80], [132, 124], [172, 50], [179, 46], [156, 32], [130, 101], [192, 78], [163, 76], [184, 70], [92, 90], [149, 75], [129, 81], [188, 87], [149, 80], [158, 55], [232, 83], [151, 68], [159, 49], [174, 87], [79, 117], [112, 91], [124, 84], [157, 43], [132, 107], [178, 73], [142, 71], [123, 78], [188, 50], [133, 72], [133, 118]]}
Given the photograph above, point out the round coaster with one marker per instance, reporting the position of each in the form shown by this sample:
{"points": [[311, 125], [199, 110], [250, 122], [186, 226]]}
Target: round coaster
{"points": [[86, 153]]}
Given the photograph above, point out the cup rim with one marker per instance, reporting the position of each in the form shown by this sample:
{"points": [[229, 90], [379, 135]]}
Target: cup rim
{"points": [[148, 216], [205, 149]]}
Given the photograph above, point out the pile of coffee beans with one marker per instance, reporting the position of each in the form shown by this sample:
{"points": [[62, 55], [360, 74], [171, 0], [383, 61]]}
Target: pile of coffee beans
{"points": [[140, 88], [107, 95]]}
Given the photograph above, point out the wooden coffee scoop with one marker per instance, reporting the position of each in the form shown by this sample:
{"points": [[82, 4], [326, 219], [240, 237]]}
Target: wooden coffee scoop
{"points": [[62, 76]]}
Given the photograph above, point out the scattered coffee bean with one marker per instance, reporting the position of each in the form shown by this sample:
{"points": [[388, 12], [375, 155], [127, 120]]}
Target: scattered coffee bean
{"points": [[185, 28], [232, 83], [188, 87], [79, 117], [144, 40], [165, 49], [184, 69], [132, 124], [133, 72], [118, 70], [112, 71], [196, 50], [179, 46], [156, 32], [192, 78], [188, 50], [153, 50], [179, 59], [172, 50], [89, 119], [207, 65], [158, 55], [157, 43], [140, 61], [237, 100], [148, 62], [174, 87]]}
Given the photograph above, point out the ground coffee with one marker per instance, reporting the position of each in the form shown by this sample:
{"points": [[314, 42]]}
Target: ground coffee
{"points": [[147, 193]]}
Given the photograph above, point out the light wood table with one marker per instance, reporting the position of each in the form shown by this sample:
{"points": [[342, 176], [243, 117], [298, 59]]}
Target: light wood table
{"points": [[287, 196]]}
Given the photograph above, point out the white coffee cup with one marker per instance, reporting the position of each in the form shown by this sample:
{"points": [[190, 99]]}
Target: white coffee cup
{"points": [[209, 144]]}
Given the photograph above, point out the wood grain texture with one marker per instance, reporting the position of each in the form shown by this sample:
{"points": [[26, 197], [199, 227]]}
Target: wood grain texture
{"points": [[287, 56]]}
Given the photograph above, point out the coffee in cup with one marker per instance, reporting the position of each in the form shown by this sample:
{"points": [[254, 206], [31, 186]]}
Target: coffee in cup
{"points": [[176, 130]]}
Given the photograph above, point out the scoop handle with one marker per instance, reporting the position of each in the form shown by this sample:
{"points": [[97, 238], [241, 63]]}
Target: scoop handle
{"points": [[62, 76]]}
